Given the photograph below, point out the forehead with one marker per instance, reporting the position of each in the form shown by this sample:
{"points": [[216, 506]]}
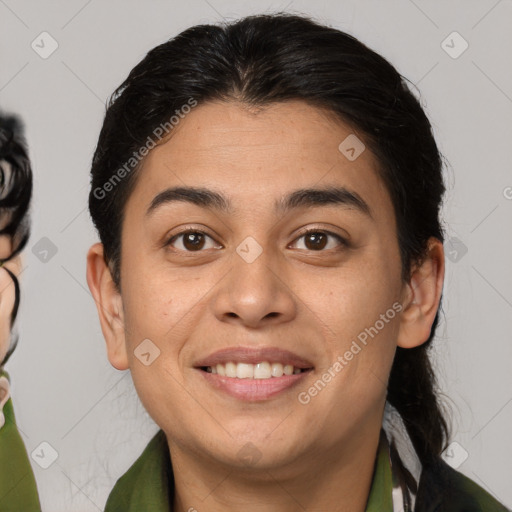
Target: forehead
{"points": [[255, 155]]}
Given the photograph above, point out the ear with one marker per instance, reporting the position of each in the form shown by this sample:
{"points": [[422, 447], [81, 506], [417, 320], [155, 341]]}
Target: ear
{"points": [[110, 306], [422, 296]]}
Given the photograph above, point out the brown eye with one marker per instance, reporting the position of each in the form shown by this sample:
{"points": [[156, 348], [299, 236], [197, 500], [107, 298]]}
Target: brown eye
{"points": [[317, 240], [190, 241], [193, 241]]}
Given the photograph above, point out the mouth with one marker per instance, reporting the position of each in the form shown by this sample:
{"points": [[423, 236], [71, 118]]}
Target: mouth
{"points": [[253, 374]]}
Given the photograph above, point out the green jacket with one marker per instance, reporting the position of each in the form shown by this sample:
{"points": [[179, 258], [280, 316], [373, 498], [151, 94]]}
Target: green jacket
{"points": [[18, 491], [149, 486]]}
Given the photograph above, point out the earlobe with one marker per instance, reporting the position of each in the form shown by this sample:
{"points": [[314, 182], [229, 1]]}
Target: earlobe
{"points": [[109, 305], [423, 296]]}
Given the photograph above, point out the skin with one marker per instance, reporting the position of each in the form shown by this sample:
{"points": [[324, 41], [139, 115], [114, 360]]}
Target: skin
{"points": [[314, 302], [7, 295], [7, 290], [7, 299]]}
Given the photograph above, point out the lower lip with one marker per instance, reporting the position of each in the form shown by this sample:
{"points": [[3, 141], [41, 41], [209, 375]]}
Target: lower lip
{"points": [[253, 390]]}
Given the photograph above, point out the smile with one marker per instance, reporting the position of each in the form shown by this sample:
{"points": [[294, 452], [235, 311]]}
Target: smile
{"points": [[253, 374]]}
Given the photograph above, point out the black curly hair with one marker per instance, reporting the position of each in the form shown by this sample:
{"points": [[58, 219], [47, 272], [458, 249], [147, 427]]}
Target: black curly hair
{"points": [[15, 196]]}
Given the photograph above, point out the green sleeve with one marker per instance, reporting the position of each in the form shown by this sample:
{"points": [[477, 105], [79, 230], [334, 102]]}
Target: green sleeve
{"points": [[18, 491]]}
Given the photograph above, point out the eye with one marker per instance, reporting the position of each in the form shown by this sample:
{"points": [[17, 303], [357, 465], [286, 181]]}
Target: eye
{"points": [[191, 241], [194, 240], [317, 239]]}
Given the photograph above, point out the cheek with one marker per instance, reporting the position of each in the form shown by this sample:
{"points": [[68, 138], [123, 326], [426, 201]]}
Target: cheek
{"points": [[357, 309], [161, 310], [7, 299], [162, 393], [351, 298], [155, 300], [166, 310]]}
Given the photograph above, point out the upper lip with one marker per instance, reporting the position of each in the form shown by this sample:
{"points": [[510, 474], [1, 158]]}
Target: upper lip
{"points": [[253, 356]]}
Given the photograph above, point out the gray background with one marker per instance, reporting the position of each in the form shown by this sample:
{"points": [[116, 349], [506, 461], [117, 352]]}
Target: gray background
{"points": [[65, 391]]}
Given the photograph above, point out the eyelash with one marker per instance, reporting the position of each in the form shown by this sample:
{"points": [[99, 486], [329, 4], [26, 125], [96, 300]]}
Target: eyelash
{"points": [[342, 241]]}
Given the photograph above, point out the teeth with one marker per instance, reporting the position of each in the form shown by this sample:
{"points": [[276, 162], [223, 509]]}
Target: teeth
{"points": [[230, 369], [243, 370], [263, 370], [277, 369]]}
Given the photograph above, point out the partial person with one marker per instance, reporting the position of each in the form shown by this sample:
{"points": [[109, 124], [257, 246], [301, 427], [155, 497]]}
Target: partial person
{"points": [[18, 491]]}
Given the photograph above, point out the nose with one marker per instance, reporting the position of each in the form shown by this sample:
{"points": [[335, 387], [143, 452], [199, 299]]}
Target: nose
{"points": [[254, 294]]}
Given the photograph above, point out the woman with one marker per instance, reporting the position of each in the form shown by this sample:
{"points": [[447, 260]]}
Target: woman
{"points": [[18, 490], [270, 270]]}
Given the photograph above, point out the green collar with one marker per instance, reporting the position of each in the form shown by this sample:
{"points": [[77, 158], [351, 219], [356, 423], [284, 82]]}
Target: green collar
{"points": [[380, 497], [18, 489], [149, 483]]}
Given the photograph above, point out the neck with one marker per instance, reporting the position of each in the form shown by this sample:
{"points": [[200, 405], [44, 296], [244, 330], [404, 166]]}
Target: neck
{"points": [[334, 478]]}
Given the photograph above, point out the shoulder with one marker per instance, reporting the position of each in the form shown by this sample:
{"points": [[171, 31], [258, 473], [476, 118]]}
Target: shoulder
{"points": [[443, 489], [148, 482]]}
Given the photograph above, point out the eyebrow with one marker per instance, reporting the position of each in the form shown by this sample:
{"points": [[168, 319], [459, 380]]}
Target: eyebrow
{"points": [[307, 197]]}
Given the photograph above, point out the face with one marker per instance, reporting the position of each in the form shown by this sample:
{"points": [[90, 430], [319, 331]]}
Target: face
{"points": [[7, 290], [239, 280], [7, 295]]}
